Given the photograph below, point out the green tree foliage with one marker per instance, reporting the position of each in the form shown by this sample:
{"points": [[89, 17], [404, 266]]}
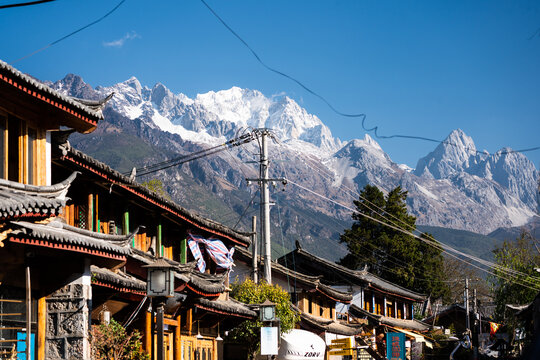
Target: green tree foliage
{"points": [[520, 255], [112, 342], [250, 293], [389, 253], [156, 186]]}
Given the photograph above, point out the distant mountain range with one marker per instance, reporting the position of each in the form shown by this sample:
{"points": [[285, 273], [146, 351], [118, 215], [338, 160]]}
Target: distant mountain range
{"points": [[455, 186]]}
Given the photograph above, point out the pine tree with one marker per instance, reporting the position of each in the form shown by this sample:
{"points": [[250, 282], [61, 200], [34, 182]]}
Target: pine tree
{"points": [[389, 253]]}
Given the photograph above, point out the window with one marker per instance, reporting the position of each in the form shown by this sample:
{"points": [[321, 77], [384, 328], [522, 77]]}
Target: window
{"points": [[31, 155], [14, 134], [18, 151]]}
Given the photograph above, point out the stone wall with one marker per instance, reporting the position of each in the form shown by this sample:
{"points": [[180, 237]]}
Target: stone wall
{"points": [[68, 321]]}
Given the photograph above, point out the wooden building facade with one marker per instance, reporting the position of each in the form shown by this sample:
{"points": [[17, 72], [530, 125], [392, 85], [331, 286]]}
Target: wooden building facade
{"points": [[380, 304], [75, 235]]}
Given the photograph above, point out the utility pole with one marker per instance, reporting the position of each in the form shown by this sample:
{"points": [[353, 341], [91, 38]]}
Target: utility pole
{"points": [[475, 327], [263, 182], [468, 322], [255, 250], [265, 207]]}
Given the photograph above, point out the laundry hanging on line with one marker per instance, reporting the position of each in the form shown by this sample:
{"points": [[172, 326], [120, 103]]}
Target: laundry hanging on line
{"points": [[215, 249]]}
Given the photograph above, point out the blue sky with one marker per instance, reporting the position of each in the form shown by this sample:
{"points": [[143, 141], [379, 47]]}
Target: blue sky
{"points": [[414, 67]]}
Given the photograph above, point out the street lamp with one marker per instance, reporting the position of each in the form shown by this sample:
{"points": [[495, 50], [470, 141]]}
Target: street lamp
{"points": [[267, 311], [159, 285]]}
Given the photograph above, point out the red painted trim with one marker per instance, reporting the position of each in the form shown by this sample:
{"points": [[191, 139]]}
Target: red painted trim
{"points": [[118, 288], [200, 292], [28, 215], [150, 200], [47, 100], [222, 312], [67, 247]]}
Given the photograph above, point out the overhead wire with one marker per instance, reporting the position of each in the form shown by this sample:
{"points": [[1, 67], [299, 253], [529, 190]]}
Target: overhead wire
{"points": [[70, 34], [199, 154], [447, 249], [362, 116], [29, 3]]}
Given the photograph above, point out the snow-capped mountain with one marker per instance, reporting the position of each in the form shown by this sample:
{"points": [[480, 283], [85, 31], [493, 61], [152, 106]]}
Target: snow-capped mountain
{"points": [[454, 186], [217, 116]]}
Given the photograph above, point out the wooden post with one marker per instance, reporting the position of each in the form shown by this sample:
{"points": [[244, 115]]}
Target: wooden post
{"points": [[96, 213], [66, 213], [148, 332], [126, 226], [159, 250], [189, 321], [178, 339], [41, 327], [28, 312], [90, 215], [183, 251], [71, 220]]}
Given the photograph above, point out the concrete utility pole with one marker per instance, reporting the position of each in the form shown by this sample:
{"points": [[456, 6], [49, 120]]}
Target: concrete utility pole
{"points": [[265, 207], [468, 323], [255, 250], [263, 182]]}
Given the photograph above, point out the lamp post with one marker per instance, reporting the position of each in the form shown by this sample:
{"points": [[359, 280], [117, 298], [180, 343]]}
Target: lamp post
{"points": [[159, 285], [269, 334]]}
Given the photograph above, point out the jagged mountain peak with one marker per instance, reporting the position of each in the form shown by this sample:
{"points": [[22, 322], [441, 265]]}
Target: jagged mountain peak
{"points": [[453, 186], [449, 157]]}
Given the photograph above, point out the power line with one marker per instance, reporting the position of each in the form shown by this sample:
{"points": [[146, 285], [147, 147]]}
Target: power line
{"points": [[444, 248], [323, 99], [244, 139], [70, 34], [25, 4]]}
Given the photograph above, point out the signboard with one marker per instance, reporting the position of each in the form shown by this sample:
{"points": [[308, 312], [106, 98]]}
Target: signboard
{"points": [[269, 341], [395, 346], [341, 347]]}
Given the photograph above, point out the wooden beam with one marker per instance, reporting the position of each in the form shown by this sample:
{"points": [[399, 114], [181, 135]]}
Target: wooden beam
{"points": [[90, 215], [147, 333], [28, 312], [96, 213], [41, 327], [189, 321], [178, 339]]}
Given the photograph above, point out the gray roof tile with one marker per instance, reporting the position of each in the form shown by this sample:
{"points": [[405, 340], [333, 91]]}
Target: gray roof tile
{"points": [[18, 200]]}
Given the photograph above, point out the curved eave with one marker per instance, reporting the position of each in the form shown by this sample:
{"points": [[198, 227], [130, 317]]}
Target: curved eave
{"points": [[67, 247], [49, 106]]}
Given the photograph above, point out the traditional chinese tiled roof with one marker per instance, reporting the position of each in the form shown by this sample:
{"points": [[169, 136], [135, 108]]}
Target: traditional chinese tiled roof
{"points": [[119, 281], [226, 307], [83, 111], [313, 282], [385, 320], [329, 325], [313, 264], [65, 237], [188, 275], [19, 200], [114, 177]]}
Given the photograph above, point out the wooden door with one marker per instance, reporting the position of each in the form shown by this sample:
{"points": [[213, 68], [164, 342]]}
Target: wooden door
{"points": [[187, 349]]}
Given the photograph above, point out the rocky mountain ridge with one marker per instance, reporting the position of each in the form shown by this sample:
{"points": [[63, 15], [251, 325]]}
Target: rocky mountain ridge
{"points": [[454, 186]]}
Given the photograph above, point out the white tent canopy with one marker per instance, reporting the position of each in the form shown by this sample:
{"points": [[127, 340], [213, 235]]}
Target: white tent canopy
{"points": [[301, 345]]}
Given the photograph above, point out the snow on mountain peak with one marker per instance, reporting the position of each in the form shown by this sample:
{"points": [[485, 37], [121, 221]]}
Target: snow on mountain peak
{"points": [[451, 156]]}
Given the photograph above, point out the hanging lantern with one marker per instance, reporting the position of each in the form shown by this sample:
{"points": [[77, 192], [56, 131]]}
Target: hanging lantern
{"points": [[160, 279]]}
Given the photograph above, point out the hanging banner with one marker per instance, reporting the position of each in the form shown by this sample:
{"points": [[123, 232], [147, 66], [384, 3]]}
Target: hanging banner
{"points": [[269, 341], [395, 346]]}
